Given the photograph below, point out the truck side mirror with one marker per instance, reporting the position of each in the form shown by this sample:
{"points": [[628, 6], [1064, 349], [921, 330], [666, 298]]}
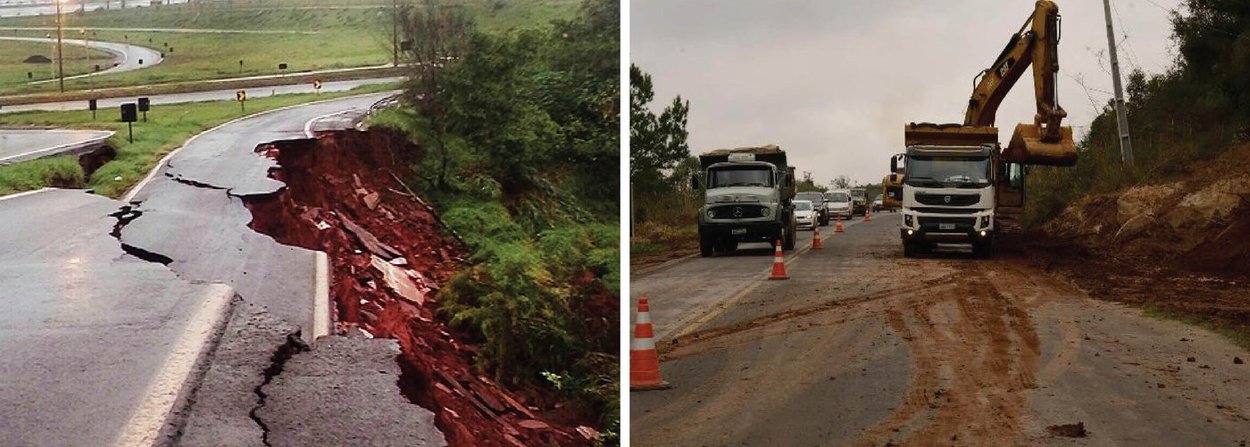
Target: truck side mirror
{"points": [[694, 181], [893, 164]]}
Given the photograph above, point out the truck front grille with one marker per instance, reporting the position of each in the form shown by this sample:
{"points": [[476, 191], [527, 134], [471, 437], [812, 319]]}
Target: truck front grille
{"points": [[935, 224], [738, 211], [948, 199]]}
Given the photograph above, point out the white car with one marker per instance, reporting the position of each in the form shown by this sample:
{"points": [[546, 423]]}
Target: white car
{"points": [[838, 203], [804, 214]]}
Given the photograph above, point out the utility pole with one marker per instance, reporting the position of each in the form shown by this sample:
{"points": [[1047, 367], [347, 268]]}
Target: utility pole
{"points": [[1121, 116], [60, 60], [395, 32]]}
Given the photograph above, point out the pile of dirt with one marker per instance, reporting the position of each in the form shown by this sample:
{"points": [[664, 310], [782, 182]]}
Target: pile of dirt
{"points": [[1200, 222], [389, 254]]}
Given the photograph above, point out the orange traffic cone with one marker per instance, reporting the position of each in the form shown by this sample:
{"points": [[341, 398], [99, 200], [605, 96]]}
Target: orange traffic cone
{"points": [[644, 360], [837, 227], [779, 264], [867, 215], [816, 237]]}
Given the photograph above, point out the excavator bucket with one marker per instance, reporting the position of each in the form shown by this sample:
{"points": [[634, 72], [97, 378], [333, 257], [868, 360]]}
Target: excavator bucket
{"points": [[1027, 147]]}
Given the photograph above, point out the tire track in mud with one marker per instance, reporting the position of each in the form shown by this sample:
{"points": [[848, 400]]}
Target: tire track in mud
{"points": [[694, 343], [959, 394]]}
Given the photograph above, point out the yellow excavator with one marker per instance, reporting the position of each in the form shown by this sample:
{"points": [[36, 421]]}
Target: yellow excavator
{"points": [[957, 177]]}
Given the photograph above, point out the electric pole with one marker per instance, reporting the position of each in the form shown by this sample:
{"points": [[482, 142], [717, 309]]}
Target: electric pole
{"points": [[395, 32], [1121, 115], [60, 60]]}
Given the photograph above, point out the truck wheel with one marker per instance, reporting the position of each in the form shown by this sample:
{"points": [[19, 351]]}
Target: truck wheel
{"points": [[983, 250], [790, 236], [705, 246]]}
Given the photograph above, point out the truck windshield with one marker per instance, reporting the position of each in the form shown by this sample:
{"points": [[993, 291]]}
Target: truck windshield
{"points": [[837, 197], [744, 176], [962, 172]]}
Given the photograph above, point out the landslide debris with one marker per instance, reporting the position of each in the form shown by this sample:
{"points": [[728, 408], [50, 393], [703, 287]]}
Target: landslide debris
{"points": [[388, 255]]}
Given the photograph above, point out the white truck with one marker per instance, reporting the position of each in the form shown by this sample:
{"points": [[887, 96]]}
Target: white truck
{"points": [[748, 195], [948, 196]]}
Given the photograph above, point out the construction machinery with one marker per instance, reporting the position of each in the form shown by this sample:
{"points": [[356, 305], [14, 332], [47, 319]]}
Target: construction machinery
{"points": [[748, 195], [957, 178]]}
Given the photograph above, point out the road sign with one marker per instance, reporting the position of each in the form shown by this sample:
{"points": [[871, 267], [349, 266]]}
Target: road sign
{"points": [[130, 113], [91, 105], [144, 106], [241, 96]]}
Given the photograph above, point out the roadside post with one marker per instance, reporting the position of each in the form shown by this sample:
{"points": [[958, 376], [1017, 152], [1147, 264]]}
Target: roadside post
{"points": [[130, 113], [317, 86], [144, 106], [92, 105], [241, 96]]}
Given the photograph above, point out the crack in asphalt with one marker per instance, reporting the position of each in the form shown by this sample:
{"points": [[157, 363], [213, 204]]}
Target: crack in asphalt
{"points": [[284, 352]]}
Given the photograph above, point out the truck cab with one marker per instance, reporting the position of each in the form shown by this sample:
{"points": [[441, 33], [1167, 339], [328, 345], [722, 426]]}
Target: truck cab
{"points": [[948, 196], [748, 195]]}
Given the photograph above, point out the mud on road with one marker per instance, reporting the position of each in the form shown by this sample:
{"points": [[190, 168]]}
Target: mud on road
{"points": [[865, 347]]}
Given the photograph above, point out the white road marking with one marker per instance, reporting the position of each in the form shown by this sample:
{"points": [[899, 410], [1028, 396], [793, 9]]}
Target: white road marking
{"points": [[25, 193], [321, 296], [149, 417], [56, 148]]}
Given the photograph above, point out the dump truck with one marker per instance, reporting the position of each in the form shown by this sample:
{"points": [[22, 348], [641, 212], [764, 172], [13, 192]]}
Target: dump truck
{"points": [[748, 195], [957, 180], [859, 197]]}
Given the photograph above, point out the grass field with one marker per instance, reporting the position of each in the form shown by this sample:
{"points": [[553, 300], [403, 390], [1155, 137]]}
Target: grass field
{"points": [[324, 36], [168, 127], [78, 60]]}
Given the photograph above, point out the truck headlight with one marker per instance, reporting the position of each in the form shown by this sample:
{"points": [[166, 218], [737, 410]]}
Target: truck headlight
{"points": [[907, 220], [710, 215], [985, 221], [766, 212]]}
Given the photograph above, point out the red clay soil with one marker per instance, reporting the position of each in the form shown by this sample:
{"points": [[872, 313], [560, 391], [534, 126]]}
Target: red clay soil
{"points": [[330, 185], [1142, 280]]}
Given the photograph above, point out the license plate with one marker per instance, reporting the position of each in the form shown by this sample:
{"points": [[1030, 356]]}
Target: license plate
{"points": [[738, 231], [946, 226]]}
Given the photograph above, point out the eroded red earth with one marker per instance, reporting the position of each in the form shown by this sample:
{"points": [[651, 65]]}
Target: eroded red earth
{"points": [[344, 197]]}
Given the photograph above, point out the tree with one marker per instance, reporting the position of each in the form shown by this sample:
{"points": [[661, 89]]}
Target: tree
{"points": [[841, 182], [435, 36], [657, 143], [807, 184]]}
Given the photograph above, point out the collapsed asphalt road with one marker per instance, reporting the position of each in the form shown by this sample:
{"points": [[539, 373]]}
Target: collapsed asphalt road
{"points": [[864, 347], [164, 319]]}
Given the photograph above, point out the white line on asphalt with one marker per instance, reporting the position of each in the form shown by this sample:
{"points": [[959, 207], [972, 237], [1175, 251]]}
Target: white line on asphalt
{"points": [[321, 296], [25, 193], [712, 310], [308, 132], [130, 196], [149, 417], [58, 147]]}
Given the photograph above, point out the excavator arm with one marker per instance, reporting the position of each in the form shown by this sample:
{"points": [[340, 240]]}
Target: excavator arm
{"points": [[1045, 141]]}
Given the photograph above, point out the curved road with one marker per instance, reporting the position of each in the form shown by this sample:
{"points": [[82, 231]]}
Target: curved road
{"points": [[116, 316], [133, 57]]}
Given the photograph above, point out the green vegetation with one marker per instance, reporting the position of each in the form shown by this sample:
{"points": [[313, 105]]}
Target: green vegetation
{"points": [[62, 171], [347, 34], [660, 167], [1194, 111], [1233, 333], [168, 127], [520, 134], [78, 60]]}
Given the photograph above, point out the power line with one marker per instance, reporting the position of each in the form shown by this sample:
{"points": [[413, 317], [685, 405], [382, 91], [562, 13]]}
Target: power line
{"points": [[1200, 25]]}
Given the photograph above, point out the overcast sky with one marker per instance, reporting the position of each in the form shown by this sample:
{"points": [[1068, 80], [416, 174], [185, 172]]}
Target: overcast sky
{"points": [[833, 82]]}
